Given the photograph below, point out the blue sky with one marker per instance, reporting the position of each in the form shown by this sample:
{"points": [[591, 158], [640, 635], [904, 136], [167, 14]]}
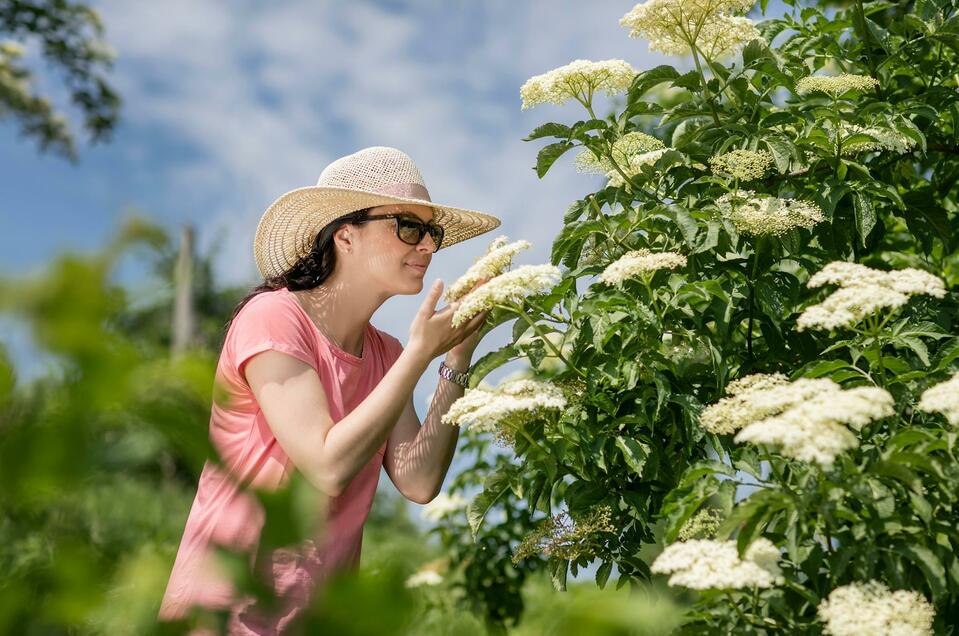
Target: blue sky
{"points": [[227, 105]]}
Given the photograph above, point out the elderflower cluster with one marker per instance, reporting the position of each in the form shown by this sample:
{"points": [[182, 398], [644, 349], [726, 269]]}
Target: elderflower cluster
{"points": [[623, 149], [632, 168], [502, 409], [872, 608], [885, 139], [706, 564], [864, 291], [702, 525], [443, 505], [835, 85], [577, 80], [670, 26], [762, 214], [815, 429], [509, 288], [807, 419], [565, 537], [744, 165], [754, 397], [499, 255], [638, 263], [943, 398], [424, 577], [430, 573]]}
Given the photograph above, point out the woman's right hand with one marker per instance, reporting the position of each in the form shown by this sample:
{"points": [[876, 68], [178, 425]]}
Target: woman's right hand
{"points": [[432, 333]]}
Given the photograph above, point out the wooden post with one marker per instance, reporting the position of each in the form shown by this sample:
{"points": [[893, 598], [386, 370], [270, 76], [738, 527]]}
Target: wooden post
{"points": [[184, 320]]}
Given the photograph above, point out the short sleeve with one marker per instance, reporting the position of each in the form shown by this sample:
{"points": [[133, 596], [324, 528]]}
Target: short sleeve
{"points": [[269, 321]]}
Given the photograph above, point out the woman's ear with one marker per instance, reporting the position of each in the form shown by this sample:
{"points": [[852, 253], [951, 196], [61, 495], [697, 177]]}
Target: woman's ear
{"points": [[343, 238]]}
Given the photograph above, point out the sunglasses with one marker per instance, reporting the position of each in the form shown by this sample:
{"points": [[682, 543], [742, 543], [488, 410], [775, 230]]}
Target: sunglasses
{"points": [[410, 230]]}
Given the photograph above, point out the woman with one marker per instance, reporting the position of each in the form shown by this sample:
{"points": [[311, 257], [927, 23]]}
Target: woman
{"points": [[306, 383]]}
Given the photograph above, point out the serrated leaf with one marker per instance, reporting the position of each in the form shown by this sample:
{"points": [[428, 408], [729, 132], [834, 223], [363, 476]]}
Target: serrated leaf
{"points": [[647, 79], [496, 485], [602, 574], [551, 129], [547, 156]]}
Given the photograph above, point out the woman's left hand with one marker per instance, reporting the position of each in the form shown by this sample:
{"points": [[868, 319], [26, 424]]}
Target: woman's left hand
{"points": [[463, 352]]}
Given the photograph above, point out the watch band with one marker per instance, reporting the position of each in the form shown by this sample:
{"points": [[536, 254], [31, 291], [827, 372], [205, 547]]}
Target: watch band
{"points": [[454, 376]]}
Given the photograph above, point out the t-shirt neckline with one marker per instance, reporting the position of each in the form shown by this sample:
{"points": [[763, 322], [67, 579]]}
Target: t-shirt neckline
{"points": [[335, 348]]}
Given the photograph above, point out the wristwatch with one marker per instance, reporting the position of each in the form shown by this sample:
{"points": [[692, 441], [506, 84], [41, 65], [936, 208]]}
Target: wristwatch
{"points": [[454, 376]]}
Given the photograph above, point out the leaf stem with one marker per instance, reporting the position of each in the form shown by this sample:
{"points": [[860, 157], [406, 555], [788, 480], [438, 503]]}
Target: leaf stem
{"points": [[709, 96], [542, 336]]}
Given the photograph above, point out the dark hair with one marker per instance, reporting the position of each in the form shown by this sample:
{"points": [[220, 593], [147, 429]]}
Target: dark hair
{"points": [[312, 269]]}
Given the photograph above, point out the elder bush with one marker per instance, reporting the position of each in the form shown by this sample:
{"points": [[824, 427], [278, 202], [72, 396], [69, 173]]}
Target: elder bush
{"points": [[751, 309]]}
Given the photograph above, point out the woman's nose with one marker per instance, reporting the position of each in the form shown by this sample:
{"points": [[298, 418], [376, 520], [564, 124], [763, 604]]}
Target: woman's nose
{"points": [[427, 243]]}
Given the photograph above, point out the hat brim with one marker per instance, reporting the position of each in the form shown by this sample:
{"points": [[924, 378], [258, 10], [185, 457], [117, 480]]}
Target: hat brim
{"points": [[288, 227]]}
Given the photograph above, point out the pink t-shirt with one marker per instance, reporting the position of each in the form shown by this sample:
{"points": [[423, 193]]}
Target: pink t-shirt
{"points": [[223, 513]]}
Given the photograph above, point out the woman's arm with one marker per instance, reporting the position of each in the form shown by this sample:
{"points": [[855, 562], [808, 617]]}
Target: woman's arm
{"points": [[418, 456], [294, 403]]}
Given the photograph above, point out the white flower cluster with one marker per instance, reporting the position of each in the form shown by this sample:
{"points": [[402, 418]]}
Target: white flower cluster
{"points": [[704, 564], [864, 291], [443, 505], [509, 404], [632, 168], [814, 429], [732, 413], [885, 139], [673, 27], [577, 80], [499, 255], [702, 525], [638, 263], [756, 214], [756, 382], [623, 149], [509, 288], [872, 608], [424, 577], [807, 419], [835, 85], [744, 165], [943, 398]]}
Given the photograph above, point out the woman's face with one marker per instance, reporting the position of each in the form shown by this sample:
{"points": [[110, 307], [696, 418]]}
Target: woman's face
{"points": [[394, 264]]}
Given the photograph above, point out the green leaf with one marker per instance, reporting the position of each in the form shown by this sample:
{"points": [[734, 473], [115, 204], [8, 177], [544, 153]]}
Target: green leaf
{"points": [[647, 79], [755, 50], [548, 156], [635, 453], [865, 215], [602, 574], [690, 81], [557, 573], [551, 129], [490, 361], [930, 565], [496, 485]]}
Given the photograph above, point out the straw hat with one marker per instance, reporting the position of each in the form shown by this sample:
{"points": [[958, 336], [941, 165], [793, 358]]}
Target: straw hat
{"points": [[374, 176]]}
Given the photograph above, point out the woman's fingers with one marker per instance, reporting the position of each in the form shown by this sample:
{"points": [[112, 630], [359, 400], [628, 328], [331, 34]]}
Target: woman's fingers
{"points": [[428, 308]]}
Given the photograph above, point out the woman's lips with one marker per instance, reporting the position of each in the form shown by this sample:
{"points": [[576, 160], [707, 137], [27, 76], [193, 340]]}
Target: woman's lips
{"points": [[417, 268]]}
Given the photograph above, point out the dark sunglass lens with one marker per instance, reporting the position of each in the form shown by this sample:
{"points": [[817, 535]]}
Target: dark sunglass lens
{"points": [[436, 232], [409, 232]]}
